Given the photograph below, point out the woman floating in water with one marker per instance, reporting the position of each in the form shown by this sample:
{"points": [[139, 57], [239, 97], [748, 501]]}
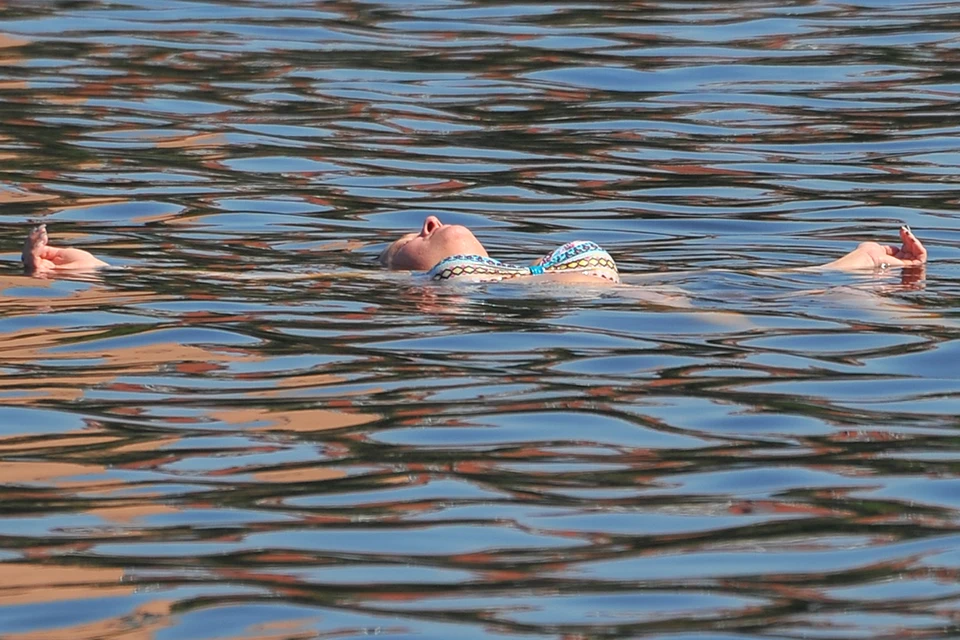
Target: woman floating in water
{"points": [[452, 252]]}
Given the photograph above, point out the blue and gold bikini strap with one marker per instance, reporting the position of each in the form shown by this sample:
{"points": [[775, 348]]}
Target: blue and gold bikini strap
{"points": [[476, 268]]}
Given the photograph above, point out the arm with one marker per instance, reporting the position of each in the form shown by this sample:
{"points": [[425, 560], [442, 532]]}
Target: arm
{"points": [[39, 258], [871, 255]]}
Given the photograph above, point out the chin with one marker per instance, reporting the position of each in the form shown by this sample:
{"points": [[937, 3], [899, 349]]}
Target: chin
{"points": [[457, 239]]}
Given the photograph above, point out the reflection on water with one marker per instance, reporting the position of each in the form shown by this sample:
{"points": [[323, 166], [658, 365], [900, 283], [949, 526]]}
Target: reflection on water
{"points": [[249, 432]]}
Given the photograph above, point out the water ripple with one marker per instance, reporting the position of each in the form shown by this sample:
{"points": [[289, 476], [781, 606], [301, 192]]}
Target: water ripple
{"points": [[248, 430]]}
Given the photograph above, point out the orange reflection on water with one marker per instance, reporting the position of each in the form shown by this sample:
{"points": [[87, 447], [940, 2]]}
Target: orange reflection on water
{"points": [[27, 583], [14, 472], [304, 420]]}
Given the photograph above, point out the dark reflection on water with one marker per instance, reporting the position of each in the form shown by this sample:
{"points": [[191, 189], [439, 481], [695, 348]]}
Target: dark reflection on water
{"points": [[250, 432]]}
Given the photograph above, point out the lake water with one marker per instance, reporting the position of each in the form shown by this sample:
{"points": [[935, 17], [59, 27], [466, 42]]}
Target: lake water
{"points": [[250, 431]]}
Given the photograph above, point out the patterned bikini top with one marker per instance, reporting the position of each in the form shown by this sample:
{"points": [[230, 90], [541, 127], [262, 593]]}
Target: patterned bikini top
{"points": [[579, 256]]}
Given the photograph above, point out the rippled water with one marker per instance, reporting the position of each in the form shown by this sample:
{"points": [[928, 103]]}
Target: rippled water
{"points": [[249, 431]]}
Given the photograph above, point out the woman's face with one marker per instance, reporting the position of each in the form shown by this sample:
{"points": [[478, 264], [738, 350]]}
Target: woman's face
{"points": [[436, 241]]}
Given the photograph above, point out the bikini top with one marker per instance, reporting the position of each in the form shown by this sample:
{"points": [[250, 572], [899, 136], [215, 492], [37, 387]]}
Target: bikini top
{"points": [[579, 256]]}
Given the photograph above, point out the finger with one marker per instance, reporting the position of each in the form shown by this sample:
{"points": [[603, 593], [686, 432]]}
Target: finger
{"points": [[45, 266], [34, 243], [39, 267], [36, 240], [38, 236], [49, 253], [912, 248]]}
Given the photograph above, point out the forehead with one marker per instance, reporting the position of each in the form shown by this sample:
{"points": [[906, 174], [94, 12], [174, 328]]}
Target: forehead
{"points": [[391, 250]]}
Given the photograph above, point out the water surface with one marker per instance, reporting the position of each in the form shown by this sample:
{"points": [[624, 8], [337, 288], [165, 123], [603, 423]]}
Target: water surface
{"points": [[249, 431]]}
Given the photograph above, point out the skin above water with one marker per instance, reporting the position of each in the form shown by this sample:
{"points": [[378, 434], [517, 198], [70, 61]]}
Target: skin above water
{"points": [[436, 241], [210, 443]]}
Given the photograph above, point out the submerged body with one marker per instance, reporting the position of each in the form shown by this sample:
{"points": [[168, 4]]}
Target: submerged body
{"points": [[446, 252], [452, 252]]}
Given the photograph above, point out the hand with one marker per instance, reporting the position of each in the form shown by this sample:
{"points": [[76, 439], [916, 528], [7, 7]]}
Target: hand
{"points": [[39, 258], [872, 255]]}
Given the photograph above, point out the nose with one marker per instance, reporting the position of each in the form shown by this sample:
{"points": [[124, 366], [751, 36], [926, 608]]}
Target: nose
{"points": [[431, 224]]}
